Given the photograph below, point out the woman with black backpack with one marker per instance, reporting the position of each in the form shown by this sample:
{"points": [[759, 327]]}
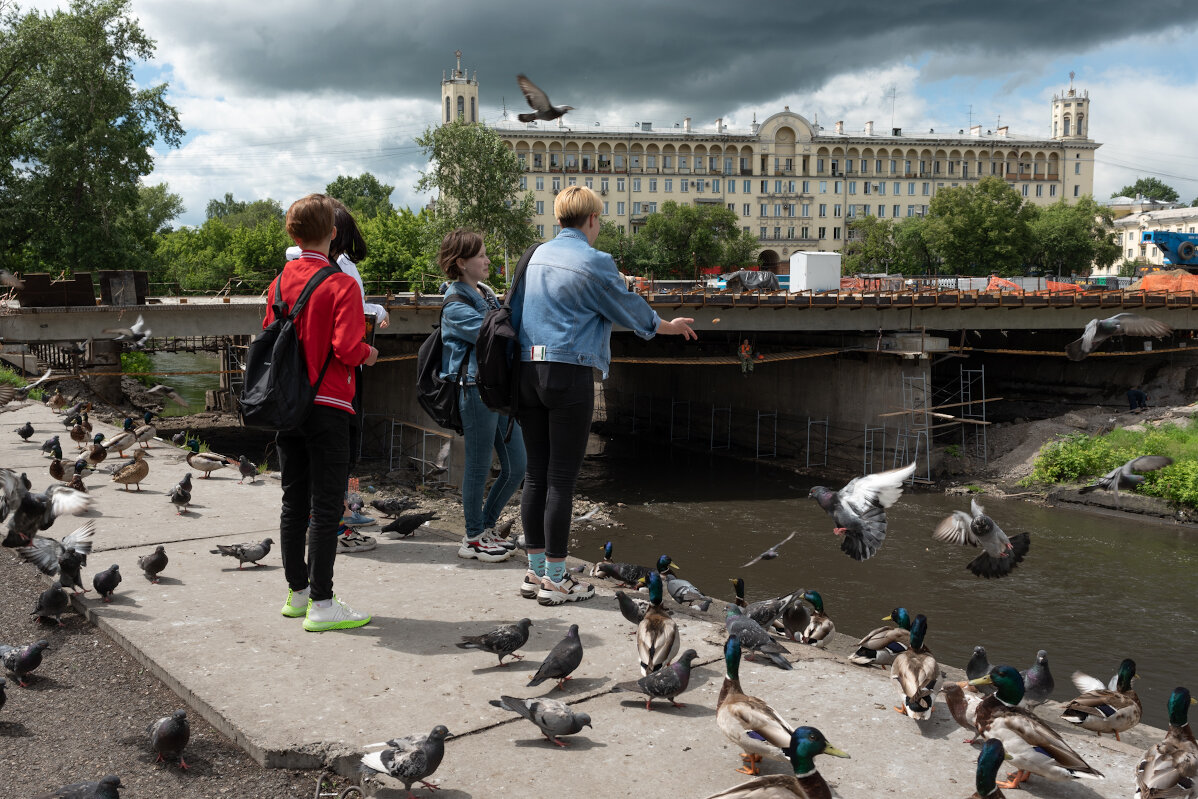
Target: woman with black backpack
{"points": [[463, 259]]}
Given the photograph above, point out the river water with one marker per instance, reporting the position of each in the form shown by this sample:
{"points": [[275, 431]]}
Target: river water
{"points": [[191, 387], [1093, 589]]}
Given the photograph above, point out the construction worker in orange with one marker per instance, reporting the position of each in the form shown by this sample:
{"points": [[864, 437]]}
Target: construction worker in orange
{"points": [[746, 358]]}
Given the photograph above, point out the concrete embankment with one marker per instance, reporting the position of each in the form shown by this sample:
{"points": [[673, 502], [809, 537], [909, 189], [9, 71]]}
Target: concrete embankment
{"points": [[290, 698]]}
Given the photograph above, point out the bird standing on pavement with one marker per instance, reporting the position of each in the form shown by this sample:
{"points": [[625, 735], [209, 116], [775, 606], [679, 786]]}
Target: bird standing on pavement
{"points": [[879, 647], [49, 444], [132, 472], [1101, 709], [245, 553], [503, 641], [978, 665], [539, 101], [123, 440], [153, 563], [665, 683], [206, 462], [657, 638], [52, 603], [1000, 554], [1121, 324], [1126, 476], [105, 582], [1168, 768], [917, 674], [407, 524], [747, 721], [754, 638], [25, 431], [1037, 681], [553, 718], [169, 736], [562, 660], [411, 759], [145, 433], [180, 494], [21, 661], [247, 468], [859, 509], [393, 506]]}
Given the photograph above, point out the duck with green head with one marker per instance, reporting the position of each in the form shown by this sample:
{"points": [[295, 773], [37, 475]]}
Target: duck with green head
{"points": [[97, 452], [1034, 747], [1103, 710], [57, 470], [657, 639], [820, 628], [122, 440], [206, 462], [806, 782], [745, 720], [989, 762], [1168, 769], [917, 673], [880, 646], [145, 433], [628, 573]]}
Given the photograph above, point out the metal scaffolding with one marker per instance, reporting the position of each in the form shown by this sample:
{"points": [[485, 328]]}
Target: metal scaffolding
{"points": [[872, 450], [816, 424], [973, 404], [913, 437]]}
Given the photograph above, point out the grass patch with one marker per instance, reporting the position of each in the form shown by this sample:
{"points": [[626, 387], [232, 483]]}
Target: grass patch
{"points": [[953, 450], [1078, 457]]}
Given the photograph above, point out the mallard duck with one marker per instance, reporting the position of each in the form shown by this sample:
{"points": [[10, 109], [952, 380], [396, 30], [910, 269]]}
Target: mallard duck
{"points": [[963, 701], [879, 647], [917, 674], [805, 783], [1101, 709], [87, 425], [657, 637], [746, 720], [628, 573], [122, 440], [57, 400], [133, 471], [98, 452], [1034, 747], [57, 470], [820, 628], [989, 761], [765, 611], [78, 434], [1168, 768], [206, 462], [146, 432]]}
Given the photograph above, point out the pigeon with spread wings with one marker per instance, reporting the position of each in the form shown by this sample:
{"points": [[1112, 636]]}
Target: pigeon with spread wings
{"points": [[539, 101], [859, 509], [1121, 324], [1000, 553], [772, 552]]}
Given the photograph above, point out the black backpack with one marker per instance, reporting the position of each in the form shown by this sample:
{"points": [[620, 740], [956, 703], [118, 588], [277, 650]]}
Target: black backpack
{"points": [[439, 397], [498, 352], [277, 394]]}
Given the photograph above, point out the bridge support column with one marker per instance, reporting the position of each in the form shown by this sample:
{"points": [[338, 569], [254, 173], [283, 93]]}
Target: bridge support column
{"points": [[106, 366]]}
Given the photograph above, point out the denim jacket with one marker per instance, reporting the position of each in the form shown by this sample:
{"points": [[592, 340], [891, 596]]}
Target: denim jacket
{"points": [[460, 323], [568, 300]]}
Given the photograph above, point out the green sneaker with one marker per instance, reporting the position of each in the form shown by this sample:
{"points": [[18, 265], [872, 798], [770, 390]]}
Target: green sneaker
{"points": [[296, 605], [337, 616]]}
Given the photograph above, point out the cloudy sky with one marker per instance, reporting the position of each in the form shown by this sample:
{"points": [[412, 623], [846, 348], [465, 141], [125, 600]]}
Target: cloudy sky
{"points": [[279, 98]]}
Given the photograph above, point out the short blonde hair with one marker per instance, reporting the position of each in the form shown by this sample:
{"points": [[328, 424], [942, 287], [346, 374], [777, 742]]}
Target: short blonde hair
{"points": [[575, 204], [310, 219]]}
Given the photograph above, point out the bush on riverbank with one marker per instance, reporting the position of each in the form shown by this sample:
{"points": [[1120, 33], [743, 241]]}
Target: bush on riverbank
{"points": [[132, 363], [9, 377], [1079, 456]]}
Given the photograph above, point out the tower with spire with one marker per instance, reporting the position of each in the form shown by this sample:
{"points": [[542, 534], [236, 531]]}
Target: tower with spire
{"points": [[459, 94], [1071, 114]]}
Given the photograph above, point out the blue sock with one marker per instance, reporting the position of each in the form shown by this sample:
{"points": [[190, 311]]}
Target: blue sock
{"points": [[555, 570], [537, 563]]}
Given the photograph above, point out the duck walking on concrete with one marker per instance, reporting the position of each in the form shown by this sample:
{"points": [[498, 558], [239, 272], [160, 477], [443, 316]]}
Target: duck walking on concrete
{"points": [[132, 472], [145, 433], [206, 462], [411, 759], [245, 553], [169, 736]]}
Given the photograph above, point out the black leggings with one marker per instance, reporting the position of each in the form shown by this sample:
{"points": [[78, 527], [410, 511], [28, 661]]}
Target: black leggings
{"points": [[556, 404]]}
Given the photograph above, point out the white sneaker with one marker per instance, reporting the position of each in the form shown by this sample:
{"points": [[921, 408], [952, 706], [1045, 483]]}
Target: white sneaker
{"points": [[568, 590], [296, 604], [337, 616], [484, 549], [489, 535]]}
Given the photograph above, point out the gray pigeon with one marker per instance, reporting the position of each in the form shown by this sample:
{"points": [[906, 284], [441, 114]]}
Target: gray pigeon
{"points": [[245, 553], [539, 101], [169, 736], [502, 641], [978, 665], [105, 582], [1122, 476], [765, 611], [754, 638], [1037, 681], [1000, 554], [411, 759], [664, 683], [21, 661], [392, 507], [859, 509], [135, 335], [52, 557], [180, 495], [405, 525], [107, 788], [27, 512], [772, 552], [153, 563], [794, 617], [552, 717], [1121, 324], [247, 468], [561, 661], [632, 608], [685, 592], [52, 603]]}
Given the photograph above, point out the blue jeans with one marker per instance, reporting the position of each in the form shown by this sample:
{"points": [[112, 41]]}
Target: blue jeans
{"points": [[484, 430]]}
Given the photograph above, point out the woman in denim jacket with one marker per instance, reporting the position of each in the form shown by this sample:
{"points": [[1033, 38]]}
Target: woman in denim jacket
{"points": [[463, 258], [565, 306]]}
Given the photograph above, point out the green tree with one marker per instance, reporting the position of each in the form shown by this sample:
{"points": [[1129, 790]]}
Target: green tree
{"points": [[258, 253], [913, 253], [1071, 238], [476, 178], [614, 242], [870, 246], [77, 133], [981, 229], [678, 238], [364, 195], [239, 213], [139, 227], [395, 247], [196, 259], [1152, 188]]}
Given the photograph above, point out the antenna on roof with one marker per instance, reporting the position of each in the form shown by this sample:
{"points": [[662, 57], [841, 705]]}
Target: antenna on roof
{"points": [[893, 94], [504, 101]]}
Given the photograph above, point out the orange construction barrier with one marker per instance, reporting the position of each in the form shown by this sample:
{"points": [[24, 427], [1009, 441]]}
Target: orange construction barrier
{"points": [[1168, 282], [1001, 284]]}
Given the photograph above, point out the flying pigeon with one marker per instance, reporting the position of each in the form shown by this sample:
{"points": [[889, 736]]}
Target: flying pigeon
{"points": [[52, 603], [180, 494], [411, 759], [539, 101], [405, 525], [561, 661], [393, 506], [1121, 476], [552, 717], [1000, 554], [169, 736], [32, 512], [135, 335], [161, 390], [1037, 681], [772, 552], [754, 638], [7, 278], [153, 563], [53, 557], [21, 661], [859, 509], [502, 641], [247, 468], [107, 788], [25, 431], [105, 582], [664, 683], [245, 553], [1121, 324]]}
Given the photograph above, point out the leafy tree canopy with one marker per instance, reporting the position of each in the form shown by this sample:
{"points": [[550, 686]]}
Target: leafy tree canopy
{"points": [[1152, 188], [364, 195], [239, 213], [679, 238], [1069, 239], [980, 229]]}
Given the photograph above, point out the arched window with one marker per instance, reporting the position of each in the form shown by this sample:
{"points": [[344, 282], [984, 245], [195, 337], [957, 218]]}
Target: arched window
{"points": [[447, 118], [1055, 126], [1066, 125], [1081, 131], [473, 118], [462, 110]]}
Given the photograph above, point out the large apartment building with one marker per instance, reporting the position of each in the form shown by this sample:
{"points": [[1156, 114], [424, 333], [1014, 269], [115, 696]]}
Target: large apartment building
{"points": [[792, 182]]}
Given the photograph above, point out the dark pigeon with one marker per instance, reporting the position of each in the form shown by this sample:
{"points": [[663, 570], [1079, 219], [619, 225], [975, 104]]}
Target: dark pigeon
{"points": [[25, 431], [105, 582], [180, 438], [21, 661], [411, 759], [539, 101], [392, 507], [552, 717], [664, 683], [27, 512], [630, 608], [107, 788], [1125, 476], [978, 665], [754, 638], [502, 641], [859, 509], [52, 603], [169, 736], [153, 563], [404, 526], [794, 617], [1000, 554], [245, 553], [1038, 684], [1121, 324], [180, 494], [49, 445], [66, 557], [561, 661], [765, 611], [247, 468]]}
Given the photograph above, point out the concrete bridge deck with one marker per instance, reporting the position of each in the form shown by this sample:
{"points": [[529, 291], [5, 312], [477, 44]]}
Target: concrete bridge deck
{"points": [[214, 634]]}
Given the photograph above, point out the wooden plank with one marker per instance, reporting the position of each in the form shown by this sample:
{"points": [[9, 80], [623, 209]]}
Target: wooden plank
{"points": [[941, 407]]}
